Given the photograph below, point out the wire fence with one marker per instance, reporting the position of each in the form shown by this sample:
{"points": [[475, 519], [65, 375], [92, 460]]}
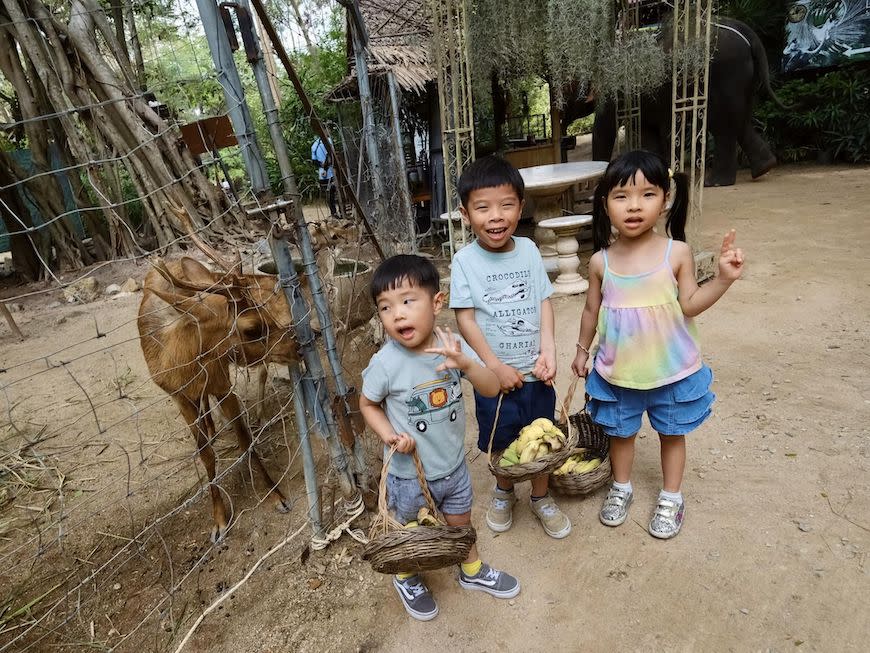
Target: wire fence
{"points": [[115, 406]]}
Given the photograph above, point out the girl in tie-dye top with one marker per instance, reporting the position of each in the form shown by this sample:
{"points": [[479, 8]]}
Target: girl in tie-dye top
{"points": [[641, 300]]}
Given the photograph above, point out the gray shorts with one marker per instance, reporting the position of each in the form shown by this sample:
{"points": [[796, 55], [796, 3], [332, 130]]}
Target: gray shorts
{"points": [[452, 494]]}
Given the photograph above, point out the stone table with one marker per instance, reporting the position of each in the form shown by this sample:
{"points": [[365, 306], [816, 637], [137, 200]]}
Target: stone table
{"points": [[546, 184], [566, 228]]}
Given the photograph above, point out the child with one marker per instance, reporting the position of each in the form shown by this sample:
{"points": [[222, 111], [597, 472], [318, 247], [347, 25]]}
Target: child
{"points": [[413, 383], [641, 300], [500, 292]]}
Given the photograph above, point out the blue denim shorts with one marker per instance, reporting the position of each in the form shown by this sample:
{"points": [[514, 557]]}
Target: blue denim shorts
{"points": [[519, 408], [674, 409], [452, 494]]}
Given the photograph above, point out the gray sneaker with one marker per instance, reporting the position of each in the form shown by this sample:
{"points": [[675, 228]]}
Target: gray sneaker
{"points": [[556, 524], [416, 598], [667, 518], [615, 508], [500, 514], [492, 581]]}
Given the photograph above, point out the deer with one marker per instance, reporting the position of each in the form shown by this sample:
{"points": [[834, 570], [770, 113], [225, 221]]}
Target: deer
{"points": [[193, 323]]}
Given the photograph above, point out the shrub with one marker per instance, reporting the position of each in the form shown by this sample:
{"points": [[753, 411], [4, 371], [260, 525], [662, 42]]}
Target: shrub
{"points": [[828, 115]]}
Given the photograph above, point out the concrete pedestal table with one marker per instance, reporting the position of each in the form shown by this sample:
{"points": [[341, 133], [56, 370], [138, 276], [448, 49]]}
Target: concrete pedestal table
{"points": [[546, 184], [566, 228]]}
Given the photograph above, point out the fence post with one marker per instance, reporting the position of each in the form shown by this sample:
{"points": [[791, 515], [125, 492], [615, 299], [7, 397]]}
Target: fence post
{"points": [[308, 468], [289, 282], [315, 283], [237, 107]]}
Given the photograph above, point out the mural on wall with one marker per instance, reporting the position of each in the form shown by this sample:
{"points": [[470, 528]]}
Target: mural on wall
{"points": [[822, 33]]}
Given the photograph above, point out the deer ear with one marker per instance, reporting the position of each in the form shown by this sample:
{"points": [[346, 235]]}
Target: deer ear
{"points": [[195, 271], [251, 326]]}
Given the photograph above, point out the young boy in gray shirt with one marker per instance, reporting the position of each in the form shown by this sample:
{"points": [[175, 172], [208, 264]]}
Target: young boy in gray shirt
{"points": [[412, 386], [501, 295]]}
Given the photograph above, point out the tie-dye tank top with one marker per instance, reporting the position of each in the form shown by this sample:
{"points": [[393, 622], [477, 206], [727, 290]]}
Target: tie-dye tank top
{"points": [[644, 340]]}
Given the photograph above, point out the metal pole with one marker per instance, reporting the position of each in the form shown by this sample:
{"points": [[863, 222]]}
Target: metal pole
{"points": [[309, 261], [237, 108], [316, 125], [308, 467], [289, 282], [400, 158], [360, 41]]}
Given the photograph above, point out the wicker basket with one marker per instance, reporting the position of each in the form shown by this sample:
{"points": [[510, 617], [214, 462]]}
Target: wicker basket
{"points": [[544, 464], [394, 549], [590, 437]]}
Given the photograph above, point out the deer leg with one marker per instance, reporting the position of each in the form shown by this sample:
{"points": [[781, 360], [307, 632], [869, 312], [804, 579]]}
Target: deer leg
{"points": [[262, 374], [232, 410], [202, 428]]}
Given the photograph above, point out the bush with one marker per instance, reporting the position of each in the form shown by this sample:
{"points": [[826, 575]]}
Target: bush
{"points": [[581, 125], [828, 116]]}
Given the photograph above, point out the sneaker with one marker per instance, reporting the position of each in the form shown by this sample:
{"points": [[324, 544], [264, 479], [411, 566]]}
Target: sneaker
{"points": [[416, 598], [492, 581], [500, 514], [667, 519], [615, 508], [554, 521]]}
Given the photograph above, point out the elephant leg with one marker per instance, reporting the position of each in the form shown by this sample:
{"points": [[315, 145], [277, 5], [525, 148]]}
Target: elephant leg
{"points": [[725, 130], [761, 158], [604, 131]]}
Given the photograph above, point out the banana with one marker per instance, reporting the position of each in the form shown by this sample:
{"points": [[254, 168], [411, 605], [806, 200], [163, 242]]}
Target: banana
{"points": [[510, 456], [529, 452], [512, 449], [542, 450], [555, 431], [587, 466], [528, 434], [543, 423], [506, 462], [426, 518], [554, 442]]}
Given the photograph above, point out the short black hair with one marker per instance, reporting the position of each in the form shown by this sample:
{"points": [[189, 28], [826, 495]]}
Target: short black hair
{"points": [[489, 172], [416, 270]]}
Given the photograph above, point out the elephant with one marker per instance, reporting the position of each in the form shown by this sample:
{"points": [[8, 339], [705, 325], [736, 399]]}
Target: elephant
{"points": [[738, 66]]}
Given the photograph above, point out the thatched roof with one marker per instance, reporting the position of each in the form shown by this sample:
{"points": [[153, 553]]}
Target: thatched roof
{"points": [[399, 34]]}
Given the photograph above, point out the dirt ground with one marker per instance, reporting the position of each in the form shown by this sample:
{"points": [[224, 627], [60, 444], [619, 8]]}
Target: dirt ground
{"points": [[772, 556]]}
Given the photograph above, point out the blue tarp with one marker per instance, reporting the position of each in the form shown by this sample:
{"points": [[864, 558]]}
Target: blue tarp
{"points": [[25, 160]]}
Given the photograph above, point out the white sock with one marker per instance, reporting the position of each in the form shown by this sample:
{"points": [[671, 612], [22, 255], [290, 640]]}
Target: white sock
{"points": [[676, 497], [625, 487]]}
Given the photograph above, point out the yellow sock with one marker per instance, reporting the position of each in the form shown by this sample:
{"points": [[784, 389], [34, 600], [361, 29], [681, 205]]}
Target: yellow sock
{"points": [[471, 568], [403, 576]]}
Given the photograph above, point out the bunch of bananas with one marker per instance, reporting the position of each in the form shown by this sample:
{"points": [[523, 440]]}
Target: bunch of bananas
{"points": [[579, 463], [539, 438]]}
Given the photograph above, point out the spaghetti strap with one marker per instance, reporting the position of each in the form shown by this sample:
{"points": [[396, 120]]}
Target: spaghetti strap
{"points": [[604, 252], [668, 250]]}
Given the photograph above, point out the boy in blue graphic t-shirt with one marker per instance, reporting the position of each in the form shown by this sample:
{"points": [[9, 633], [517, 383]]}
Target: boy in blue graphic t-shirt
{"points": [[500, 292]]}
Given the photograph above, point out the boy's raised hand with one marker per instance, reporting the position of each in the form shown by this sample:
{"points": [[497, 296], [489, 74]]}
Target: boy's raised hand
{"points": [[730, 258], [450, 348]]}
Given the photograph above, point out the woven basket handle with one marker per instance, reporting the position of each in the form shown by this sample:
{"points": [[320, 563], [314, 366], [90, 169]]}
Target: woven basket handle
{"points": [[421, 478], [565, 406], [494, 425]]}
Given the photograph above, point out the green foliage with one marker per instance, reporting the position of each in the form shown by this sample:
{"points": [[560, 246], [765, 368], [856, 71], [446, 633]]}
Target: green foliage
{"points": [[320, 72], [565, 42], [581, 125], [828, 115]]}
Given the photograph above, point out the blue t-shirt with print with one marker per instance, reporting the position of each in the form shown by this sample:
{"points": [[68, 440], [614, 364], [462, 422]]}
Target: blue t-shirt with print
{"points": [[505, 289], [425, 404]]}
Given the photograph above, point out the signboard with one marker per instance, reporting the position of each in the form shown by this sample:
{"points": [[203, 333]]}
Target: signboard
{"points": [[823, 33], [208, 135]]}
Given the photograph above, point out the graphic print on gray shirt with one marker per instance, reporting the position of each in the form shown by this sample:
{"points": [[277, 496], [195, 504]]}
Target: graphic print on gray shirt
{"points": [[425, 404], [506, 290]]}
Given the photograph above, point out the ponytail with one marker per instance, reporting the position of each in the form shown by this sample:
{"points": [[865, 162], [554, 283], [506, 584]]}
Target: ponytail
{"points": [[679, 213], [601, 227]]}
